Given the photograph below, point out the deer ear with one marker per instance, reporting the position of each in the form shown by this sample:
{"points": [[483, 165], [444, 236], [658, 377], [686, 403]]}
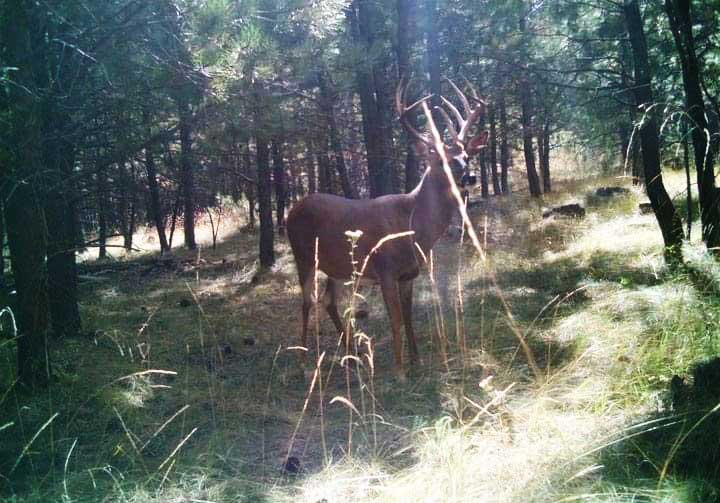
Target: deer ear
{"points": [[477, 143]]}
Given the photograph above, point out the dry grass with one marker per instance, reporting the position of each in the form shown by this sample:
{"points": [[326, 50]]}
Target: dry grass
{"points": [[494, 425]]}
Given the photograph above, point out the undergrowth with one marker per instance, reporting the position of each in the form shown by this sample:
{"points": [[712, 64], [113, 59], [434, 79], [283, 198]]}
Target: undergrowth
{"points": [[565, 367]]}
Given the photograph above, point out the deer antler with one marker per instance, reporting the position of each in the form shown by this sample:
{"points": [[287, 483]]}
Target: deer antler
{"points": [[451, 127], [403, 111], [471, 112]]}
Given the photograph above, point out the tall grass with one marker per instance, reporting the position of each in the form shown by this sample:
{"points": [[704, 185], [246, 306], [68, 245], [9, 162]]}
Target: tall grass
{"points": [[552, 386]]}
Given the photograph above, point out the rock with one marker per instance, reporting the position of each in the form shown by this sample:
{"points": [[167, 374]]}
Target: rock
{"points": [[566, 210], [611, 191], [703, 391], [679, 392], [292, 465], [706, 381], [645, 208]]}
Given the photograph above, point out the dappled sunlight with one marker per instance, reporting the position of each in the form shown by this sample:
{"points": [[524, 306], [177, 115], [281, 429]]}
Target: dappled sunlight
{"points": [[636, 234], [145, 239], [485, 422], [500, 462]]}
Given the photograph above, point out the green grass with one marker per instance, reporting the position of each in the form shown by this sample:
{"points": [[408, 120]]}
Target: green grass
{"points": [[581, 414]]}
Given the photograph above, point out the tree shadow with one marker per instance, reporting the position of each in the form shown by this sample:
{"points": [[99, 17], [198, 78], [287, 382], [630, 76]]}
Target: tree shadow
{"points": [[679, 441], [248, 394]]}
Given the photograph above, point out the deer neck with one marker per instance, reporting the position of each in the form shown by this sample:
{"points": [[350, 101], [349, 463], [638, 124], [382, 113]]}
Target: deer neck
{"points": [[434, 206]]}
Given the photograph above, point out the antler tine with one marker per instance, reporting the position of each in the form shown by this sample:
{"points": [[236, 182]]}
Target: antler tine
{"points": [[403, 111], [475, 96], [400, 97], [472, 112], [454, 110], [470, 120], [451, 127], [418, 102], [463, 98]]}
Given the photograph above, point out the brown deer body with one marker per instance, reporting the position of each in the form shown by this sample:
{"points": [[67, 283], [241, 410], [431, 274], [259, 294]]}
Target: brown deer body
{"points": [[426, 211]]}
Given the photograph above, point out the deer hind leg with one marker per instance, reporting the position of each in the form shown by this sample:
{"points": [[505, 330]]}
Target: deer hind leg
{"points": [[406, 299], [306, 275], [391, 296], [330, 301]]}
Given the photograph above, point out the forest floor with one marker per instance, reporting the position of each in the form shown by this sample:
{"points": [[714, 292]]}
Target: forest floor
{"points": [[560, 346]]}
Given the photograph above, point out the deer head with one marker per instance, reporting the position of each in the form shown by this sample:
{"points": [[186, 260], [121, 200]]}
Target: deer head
{"points": [[459, 149]]}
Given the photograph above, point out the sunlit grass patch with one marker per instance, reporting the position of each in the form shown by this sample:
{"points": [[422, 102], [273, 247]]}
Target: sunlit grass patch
{"points": [[683, 330], [606, 324]]}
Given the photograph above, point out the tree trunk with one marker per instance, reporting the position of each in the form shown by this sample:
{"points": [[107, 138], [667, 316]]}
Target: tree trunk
{"points": [[325, 179], [279, 181], [127, 205], [250, 188], [544, 154], [173, 217], [124, 202], [374, 104], [527, 132], [3, 281], [688, 184], [340, 166], [483, 162], [156, 211], [267, 251], [493, 151], [133, 209], [405, 32], [678, 12], [484, 179], [103, 202], [504, 149], [327, 105], [311, 175], [526, 106], [296, 179], [186, 173], [26, 35], [27, 242], [62, 233], [668, 219], [432, 37], [624, 136]]}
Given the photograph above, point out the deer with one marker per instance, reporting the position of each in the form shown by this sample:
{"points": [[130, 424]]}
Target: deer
{"points": [[424, 214]]}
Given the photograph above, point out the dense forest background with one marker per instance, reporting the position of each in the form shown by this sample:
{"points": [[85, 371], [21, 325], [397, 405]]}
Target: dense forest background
{"points": [[123, 114]]}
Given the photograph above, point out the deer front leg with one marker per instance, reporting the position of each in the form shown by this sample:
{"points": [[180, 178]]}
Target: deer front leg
{"points": [[406, 299], [391, 296], [331, 308], [306, 275]]}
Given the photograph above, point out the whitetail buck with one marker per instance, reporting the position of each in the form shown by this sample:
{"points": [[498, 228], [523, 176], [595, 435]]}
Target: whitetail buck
{"points": [[426, 210]]}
